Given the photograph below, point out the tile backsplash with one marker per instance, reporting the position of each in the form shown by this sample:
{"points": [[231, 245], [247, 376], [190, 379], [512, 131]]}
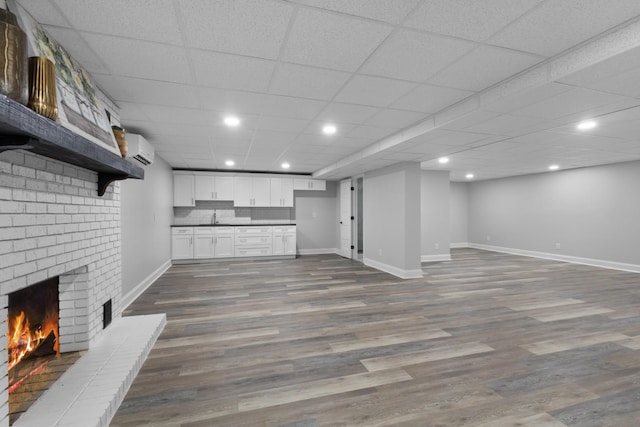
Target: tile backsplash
{"points": [[226, 213]]}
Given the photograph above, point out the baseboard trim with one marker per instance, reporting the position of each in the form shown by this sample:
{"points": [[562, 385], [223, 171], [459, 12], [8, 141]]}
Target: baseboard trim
{"points": [[459, 245], [318, 251], [142, 286], [403, 274], [435, 258], [633, 268]]}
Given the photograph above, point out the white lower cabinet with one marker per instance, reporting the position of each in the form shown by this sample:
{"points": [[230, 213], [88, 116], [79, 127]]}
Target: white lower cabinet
{"points": [[182, 243], [253, 241], [227, 242], [213, 242], [284, 240]]}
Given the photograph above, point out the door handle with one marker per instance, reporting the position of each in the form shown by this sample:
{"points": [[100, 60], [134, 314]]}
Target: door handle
{"points": [[340, 222]]}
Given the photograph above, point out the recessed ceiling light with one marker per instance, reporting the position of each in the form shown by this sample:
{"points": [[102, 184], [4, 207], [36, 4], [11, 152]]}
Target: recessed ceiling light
{"points": [[469, 176], [443, 160], [285, 165], [329, 129], [554, 167], [231, 121], [586, 125], [229, 163]]}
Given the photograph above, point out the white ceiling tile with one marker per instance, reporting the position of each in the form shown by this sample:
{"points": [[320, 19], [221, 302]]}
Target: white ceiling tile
{"points": [[231, 71], [307, 82], [414, 56], [392, 11], [177, 115], [374, 91], [557, 25], [298, 108], [332, 41], [625, 83], [147, 60], [468, 19], [127, 89], [395, 118], [510, 125], [282, 124], [44, 12], [483, 67], [430, 99], [77, 47], [131, 111], [337, 112], [245, 27], [146, 20], [315, 128]]}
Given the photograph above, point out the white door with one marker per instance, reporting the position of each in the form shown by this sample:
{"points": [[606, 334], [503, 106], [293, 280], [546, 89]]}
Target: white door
{"points": [[345, 218]]}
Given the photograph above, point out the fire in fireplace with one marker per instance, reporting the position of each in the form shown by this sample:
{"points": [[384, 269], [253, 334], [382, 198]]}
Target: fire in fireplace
{"points": [[33, 322]]}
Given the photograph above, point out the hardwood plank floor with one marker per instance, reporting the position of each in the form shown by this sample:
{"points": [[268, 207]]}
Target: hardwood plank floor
{"points": [[486, 339]]}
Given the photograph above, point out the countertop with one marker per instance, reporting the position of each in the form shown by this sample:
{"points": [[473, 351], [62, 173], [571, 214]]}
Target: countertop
{"points": [[236, 225]]}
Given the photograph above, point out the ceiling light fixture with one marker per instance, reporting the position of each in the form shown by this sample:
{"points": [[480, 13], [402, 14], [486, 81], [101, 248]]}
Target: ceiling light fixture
{"points": [[329, 129], [586, 125], [285, 165], [469, 176], [443, 160], [229, 163], [231, 121], [554, 167]]}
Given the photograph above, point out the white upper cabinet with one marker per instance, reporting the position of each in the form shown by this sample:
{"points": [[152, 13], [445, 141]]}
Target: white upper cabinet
{"points": [[250, 191], [183, 190], [309, 184], [213, 187], [282, 192]]}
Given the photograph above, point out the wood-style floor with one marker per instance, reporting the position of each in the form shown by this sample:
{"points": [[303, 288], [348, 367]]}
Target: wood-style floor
{"points": [[486, 339]]}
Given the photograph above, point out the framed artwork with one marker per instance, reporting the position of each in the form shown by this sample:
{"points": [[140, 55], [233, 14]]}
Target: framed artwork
{"points": [[79, 107]]}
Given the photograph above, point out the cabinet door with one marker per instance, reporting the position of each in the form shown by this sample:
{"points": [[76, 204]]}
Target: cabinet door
{"points": [[182, 247], [243, 191], [203, 246], [224, 246], [183, 190], [301, 184], [317, 184], [278, 243], [223, 188], [282, 192], [261, 192], [289, 243], [204, 189]]}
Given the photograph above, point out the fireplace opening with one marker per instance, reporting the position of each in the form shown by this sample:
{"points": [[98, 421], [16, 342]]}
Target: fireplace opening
{"points": [[32, 340]]}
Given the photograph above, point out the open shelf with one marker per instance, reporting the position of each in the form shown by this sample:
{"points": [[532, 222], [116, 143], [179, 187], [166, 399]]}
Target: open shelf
{"points": [[23, 129]]}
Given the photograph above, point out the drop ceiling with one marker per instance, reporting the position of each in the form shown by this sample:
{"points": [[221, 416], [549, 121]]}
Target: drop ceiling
{"points": [[496, 85]]}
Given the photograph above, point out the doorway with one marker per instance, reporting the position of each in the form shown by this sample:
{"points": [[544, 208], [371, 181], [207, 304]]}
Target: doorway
{"points": [[345, 219], [358, 226]]}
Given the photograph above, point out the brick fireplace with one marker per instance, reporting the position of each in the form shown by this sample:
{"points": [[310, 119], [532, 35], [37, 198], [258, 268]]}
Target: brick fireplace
{"points": [[52, 223]]}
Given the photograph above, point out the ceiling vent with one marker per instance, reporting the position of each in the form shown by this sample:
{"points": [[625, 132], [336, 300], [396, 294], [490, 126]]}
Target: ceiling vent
{"points": [[139, 149]]}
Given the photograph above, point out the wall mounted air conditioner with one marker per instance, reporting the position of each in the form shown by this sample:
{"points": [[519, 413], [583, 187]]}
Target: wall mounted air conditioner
{"points": [[139, 149]]}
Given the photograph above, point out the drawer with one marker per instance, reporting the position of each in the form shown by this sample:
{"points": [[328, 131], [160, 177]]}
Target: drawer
{"points": [[284, 229], [253, 240], [223, 230], [181, 230], [253, 230], [254, 251], [203, 230]]}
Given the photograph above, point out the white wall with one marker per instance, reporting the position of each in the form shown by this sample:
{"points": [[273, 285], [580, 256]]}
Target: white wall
{"points": [[435, 223], [147, 214], [591, 213], [459, 213], [316, 220], [392, 219]]}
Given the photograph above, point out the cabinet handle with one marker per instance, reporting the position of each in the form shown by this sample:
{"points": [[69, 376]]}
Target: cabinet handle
{"points": [[216, 197], [190, 241], [213, 195]]}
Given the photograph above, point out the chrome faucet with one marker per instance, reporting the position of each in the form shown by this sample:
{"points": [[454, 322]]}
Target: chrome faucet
{"points": [[214, 220]]}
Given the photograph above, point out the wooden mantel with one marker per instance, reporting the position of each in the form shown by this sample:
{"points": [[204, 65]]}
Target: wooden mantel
{"points": [[21, 128]]}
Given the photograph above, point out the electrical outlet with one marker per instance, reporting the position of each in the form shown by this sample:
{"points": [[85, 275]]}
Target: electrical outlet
{"points": [[436, 246], [380, 252], [557, 245], [488, 238]]}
